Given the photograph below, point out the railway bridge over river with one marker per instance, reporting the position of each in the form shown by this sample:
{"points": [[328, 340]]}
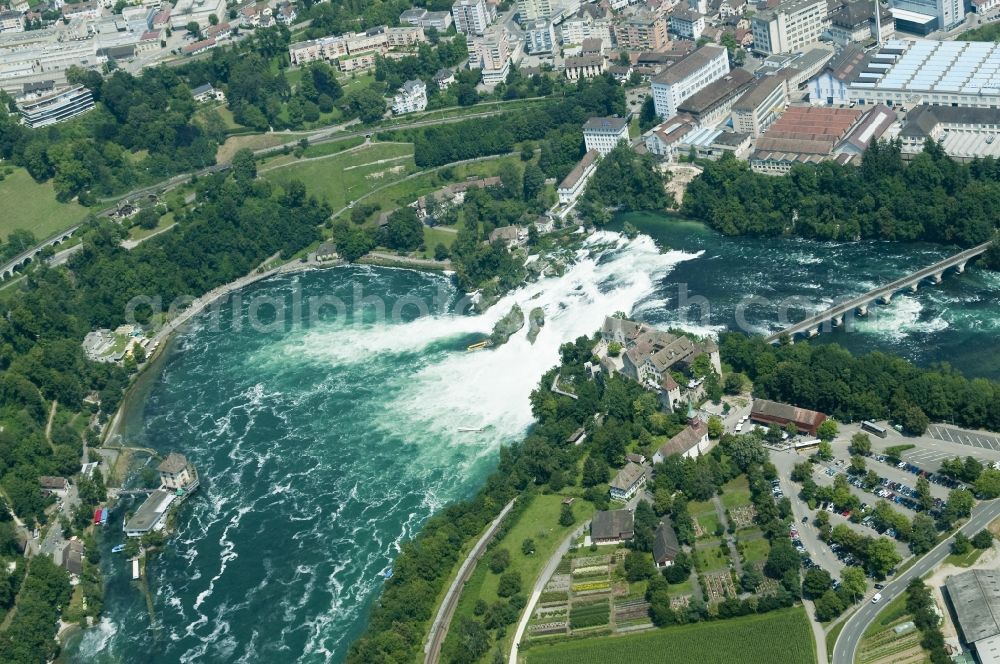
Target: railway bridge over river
{"points": [[835, 315]]}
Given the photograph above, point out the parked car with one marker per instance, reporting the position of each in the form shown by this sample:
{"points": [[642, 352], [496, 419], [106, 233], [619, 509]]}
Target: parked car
{"points": [[877, 598]]}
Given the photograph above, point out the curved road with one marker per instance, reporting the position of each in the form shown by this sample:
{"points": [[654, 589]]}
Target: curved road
{"points": [[846, 648]]}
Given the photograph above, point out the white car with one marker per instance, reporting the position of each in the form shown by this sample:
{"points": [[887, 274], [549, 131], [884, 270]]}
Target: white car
{"points": [[877, 598]]}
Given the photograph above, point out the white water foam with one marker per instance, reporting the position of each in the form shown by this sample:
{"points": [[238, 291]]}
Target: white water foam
{"points": [[898, 319]]}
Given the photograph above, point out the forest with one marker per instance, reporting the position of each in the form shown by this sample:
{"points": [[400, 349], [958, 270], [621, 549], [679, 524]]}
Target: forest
{"points": [[874, 386], [931, 198]]}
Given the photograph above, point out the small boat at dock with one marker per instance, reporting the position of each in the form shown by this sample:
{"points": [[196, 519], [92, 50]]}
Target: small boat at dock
{"points": [[470, 429], [118, 548], [387, 573], [479, 345]]}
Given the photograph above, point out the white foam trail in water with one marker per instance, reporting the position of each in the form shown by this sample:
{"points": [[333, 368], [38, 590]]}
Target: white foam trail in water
{"points": [[899, 318]]}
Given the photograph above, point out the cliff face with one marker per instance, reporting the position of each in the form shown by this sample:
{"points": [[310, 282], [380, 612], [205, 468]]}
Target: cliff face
{"points": [[506, 326]]}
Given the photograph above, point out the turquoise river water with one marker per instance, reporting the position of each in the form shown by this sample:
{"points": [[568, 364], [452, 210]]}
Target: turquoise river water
{"points": [[324, 442]]}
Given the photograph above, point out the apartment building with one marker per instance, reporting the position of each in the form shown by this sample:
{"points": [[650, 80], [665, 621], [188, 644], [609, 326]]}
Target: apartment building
{"points": [[591, 22], [472, 17], [790, 26], [412, 97], [490, 53], [11, 21], [603, 134], [533, 10], [688, 76], [687, 24], [585, 66], [56, 107], [642, 31], [540, 37], [854, 23]]}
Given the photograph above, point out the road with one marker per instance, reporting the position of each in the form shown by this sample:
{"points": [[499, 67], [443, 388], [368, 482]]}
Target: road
{"points": [[540, 582], [439, 629], [846, 647]]}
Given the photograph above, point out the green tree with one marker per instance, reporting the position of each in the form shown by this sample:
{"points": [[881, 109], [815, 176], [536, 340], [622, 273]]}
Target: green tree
{"points": [[816, 582], [244, 165], [193, 29], [528, 546], [983, 539], [923, 534], [853, 583], [987, 485], [861, 444], [638, 566], [824, 452], [829, 606], [566, 517], [882, 557], [441, 252], [499, 560], [827, 431], [595, 471], [404, 232], [857, 466], [961, 544], [509, 584], [715, 428]]}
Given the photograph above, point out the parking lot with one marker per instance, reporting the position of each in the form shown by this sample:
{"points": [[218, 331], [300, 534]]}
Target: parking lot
{"points": [[981, 440]]}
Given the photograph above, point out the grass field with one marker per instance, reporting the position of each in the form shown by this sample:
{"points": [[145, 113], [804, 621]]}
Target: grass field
{"points": [[755, 549], [711, 558], [433, 236], [966, 559], [736, 492], [781, 637], [33, 207], [341, 178], [709, 521]]}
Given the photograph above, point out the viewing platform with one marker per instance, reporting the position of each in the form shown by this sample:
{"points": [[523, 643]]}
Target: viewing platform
{"points": [[834, 316]]}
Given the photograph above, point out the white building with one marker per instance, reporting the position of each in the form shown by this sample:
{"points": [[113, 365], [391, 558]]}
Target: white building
{"points": [[687, 24], [627, 482], [11, 21], [490, 53], [690, 442], [540, 37], [691, 74], [472, 17], [946, 73], [854, 23], [603, 134], [533, 10], [412, 97], [56, 107], [790, 26], [574, 184], [199, 11], [921, 17], [830, 86], [760, 106], [589, 23], [176, 472]]}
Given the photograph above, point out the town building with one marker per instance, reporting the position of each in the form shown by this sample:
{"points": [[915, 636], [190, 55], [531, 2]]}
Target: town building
{"points": [[57, 486], [533, 10], [872, 126], [854, 23], [603, 134], [72, 559], [714, 142], [491, 53], [921, 17], [830, 86], [404, 36], [509, 236], [687, 24], [574, 184], [975, 599], [197, 11], [592, 46], [420, 17], [761, 105], [947, 73], [198, 47], [663, 139], [151, 515], [984, 6], [471, 17], [688, 76], [789, 26], [540, 37], [585, 66], [612, 526], [11, 21], [412, 97], [176, 472], [766, 413], [591, 21], [963, 133], [206, 92], [56, 107], [692, 441], [713, 103], [803, 135], [627, 482], [642, 31], [444, 78], [665, 544]]}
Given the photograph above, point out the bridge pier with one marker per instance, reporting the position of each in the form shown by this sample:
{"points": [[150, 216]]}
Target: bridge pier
{"points": [[838, 320], [938, 276], [863, 309], [887, 298], [813, 331], [913, 286], [960, 267]]}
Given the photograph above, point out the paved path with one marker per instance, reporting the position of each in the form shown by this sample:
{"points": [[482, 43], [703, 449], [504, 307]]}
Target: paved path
{"points": [[734, 553], [846, 647], [543, 579], [439, 629], [819, 634]]}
